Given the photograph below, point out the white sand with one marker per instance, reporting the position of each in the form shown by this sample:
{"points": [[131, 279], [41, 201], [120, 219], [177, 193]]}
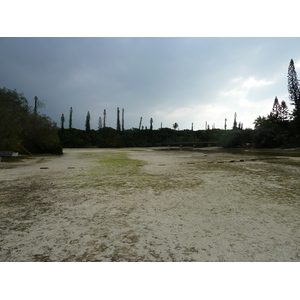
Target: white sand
{"points": [[180, 206]]}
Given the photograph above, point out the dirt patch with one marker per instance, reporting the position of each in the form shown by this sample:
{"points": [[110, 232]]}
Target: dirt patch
{"points": [[146, 205]]}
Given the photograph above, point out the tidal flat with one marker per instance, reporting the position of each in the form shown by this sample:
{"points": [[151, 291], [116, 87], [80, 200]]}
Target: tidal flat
{"points": [[150, 204]]}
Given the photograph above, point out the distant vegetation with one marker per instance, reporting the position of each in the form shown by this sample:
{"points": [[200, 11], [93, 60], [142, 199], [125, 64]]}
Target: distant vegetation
{"points": [[109, 137], [278, 129], [23, 129]]}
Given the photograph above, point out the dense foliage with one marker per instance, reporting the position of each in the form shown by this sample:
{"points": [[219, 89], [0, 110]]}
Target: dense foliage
{"points": [[22, 129], [109, 137]]}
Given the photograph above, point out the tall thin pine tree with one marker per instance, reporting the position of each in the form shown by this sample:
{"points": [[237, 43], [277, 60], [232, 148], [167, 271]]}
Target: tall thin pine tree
{"points": [[234, 121], [294, 90], [70, 119], [87, 122], [104, 118], [62, 121], [36, 101], [118, 119]]}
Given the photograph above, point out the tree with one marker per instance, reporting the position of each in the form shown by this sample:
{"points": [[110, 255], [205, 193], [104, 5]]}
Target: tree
{"points": [[14, 110], [87, 122], [140, 124], [259, 121], [279, 111], [225, 125], [276, 109], [175, 126], [234, 122], [104, 118], [23, 128], [71, 117], [35, 105], [118, 120], [293, 89], [41, 135], [151, 124], [284, 111], [123, 119], [62, 121]]}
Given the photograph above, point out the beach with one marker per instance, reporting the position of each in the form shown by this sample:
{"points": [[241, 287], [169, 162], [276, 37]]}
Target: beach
{"points": [[150, 205]]}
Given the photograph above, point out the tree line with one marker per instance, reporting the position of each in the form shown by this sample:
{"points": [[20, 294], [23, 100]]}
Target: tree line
{"points": [[24, 129], [280, 128]]}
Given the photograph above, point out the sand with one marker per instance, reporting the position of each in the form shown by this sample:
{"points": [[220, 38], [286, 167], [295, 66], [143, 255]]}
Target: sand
{"points": [[149, 205]]}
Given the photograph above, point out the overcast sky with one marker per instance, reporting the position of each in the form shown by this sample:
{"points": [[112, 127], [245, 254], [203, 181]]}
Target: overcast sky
{"points": [[183, 80]]}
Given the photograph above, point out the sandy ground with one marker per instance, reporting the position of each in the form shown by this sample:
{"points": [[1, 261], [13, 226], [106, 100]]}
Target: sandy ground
{"points": [[149, 205]]}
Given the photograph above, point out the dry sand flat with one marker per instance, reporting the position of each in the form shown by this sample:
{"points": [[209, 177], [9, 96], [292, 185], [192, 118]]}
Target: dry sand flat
{"points": [[149, 205]]}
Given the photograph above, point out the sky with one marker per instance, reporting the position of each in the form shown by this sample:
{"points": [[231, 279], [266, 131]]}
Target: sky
{"points": [[170, 79]]}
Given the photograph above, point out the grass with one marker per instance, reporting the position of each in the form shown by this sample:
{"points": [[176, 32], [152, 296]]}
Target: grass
{"points": [[115, 170]]}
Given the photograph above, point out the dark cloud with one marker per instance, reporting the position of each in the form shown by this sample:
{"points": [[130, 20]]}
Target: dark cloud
{"points": [[181, 80]]}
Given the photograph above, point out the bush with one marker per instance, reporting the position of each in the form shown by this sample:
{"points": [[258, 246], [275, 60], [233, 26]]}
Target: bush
{"points": [[236, 138], [20, 128]]}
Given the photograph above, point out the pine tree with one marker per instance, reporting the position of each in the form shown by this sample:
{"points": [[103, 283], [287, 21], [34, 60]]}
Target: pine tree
{"points": [[276, 109], [36, 101], [284, 111], [234, 122], [123, 119], [104, 118], [70, 119], [279, 111], [62, 121], [118, 120], [100, 123], [294, 90], [37, 104], [87, 122]]}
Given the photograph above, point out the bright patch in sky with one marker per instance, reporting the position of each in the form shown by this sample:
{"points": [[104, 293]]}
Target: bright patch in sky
{"points": [[233, 93], [252, 82]]}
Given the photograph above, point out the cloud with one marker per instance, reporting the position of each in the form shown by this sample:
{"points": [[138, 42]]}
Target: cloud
{"points": [[246, 103], [236, 79], [297, 64], [243, 88], [233, 93], [252, 82]]}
